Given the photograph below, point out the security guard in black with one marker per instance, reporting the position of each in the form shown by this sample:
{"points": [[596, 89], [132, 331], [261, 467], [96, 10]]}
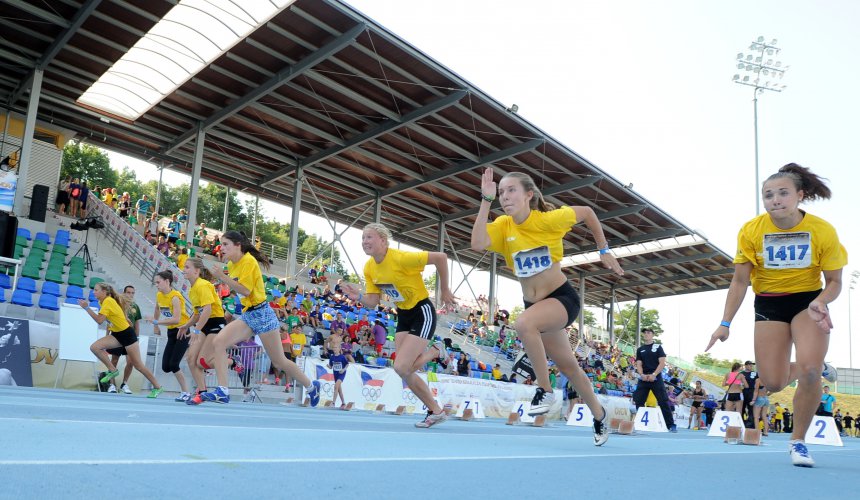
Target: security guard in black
{"points": [[649, 358]]}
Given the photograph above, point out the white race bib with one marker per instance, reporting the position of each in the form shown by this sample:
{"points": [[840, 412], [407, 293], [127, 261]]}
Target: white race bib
{"points": [[392, 292], [337, 367], [297, 347], [166, 312], [530, 262], [787, 251]]}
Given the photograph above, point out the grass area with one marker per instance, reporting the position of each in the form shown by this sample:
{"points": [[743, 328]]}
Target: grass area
{"points": [[845, 402]]}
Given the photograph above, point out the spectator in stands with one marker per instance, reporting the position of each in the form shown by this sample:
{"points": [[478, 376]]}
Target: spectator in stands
{"points": [[245, 277], [336, 337], [735, 384], [74, 193], [141, 208], [312, 274], [106, 196], [306, 304], [338, 363], [777, 417], [464, 368], [174, 227], [528, 380], [825, 409], [380, 335], [83, 196], [124, 206], [338, 322], [152, 225], [63, 195], [497, 372], [162, 246], [315, 317], [513, 378], [181, 257], [182, 218], [248, 351], [699, 395], [113, 309], [650, 360], [170, 311]]}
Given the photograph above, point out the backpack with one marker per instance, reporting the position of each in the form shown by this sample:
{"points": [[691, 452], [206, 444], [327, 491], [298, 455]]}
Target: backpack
{"points": [[103, 386]]}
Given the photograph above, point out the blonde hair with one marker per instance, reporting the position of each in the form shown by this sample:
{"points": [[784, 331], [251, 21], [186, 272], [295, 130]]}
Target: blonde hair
{"points": [[120, 299], [381, 230], [537, 202], [197, 263]]}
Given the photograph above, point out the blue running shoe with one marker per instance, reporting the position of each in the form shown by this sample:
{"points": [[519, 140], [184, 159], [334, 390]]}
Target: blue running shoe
{"points": [[314, 392], [218, 396], [800, 455]]}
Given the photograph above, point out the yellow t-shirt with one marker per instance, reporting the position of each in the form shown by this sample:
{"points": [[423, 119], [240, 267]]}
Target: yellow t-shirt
{"points": [[201, 293], [777, 413], [165, 306], [398, 276], [108, 199], [298, 340], [497, 374], [533, 246], [115, 315], [180, 260], [789, 260], [247, 273]]}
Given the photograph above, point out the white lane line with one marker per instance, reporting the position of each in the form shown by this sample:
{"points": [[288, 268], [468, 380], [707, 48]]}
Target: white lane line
{"points": [[192, 461]]}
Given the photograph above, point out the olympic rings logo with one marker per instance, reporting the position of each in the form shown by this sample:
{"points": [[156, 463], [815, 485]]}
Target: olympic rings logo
{"points": [[371, 393], [327, 388], [409, 396]]}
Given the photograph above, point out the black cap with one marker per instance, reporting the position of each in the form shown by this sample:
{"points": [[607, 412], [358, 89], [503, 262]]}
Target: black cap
{"points": [[749, 362]]}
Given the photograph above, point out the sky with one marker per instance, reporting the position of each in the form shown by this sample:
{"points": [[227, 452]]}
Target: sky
{"points": [[644, 91]]}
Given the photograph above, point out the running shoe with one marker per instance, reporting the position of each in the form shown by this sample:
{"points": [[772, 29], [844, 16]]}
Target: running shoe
{"points": [[108, 376], [217, 396], [195, 399], [432, 419], [183, 397], [799, 454], [541, 402], [237, 365], [112, 389], [829, 373], [601, 430], [673, 428], [440, 346], [155, 392], [314, 392], [124, 388]]}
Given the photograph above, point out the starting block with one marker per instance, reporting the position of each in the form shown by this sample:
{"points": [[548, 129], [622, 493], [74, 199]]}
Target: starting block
{"points": [[540, 421], [468, 414], [327, 404], [290, 401], [614, 424], [399, 410], [625, 427], [348, 406], [307, 402], [752, 437], [734, 435], [380, 408], [513, 418]]}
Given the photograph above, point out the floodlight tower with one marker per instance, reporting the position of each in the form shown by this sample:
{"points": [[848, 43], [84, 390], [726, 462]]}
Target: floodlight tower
{"points": [[763, 73]]}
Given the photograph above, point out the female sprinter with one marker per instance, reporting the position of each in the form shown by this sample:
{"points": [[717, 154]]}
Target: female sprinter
{"points": [[784, 253], [258, 318], [113, 307], [170, 312], [397, 274], [207, 319], [529, 236]]}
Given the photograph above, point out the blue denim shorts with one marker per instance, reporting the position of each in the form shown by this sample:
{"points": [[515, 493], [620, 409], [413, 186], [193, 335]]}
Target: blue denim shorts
{"points": [[261, 320]]}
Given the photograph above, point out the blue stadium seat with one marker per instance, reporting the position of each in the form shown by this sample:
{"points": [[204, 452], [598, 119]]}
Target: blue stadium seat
{"points": [[50, 288], [22, 298], [48, 302], [27, 284], [70, 300], [24, 233], [75, 292], [44, 237], [92, 296], [2, 295], [95, 305], [5, 281], [382, 361]]}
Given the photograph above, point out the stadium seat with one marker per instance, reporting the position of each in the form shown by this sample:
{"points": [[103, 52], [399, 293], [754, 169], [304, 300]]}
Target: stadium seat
{"points": [[22, 298], [71, 300], [5, 281], [27, 284], [48, 302], [92, 296], [2, 295], [94, 280], [24, 233], [75, 292], [40, 236], [49, 288]]}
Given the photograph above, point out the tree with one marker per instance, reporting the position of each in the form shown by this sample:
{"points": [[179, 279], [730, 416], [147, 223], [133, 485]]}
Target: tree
{"points": [[705, 359], [515, 312], [588, 318], [87, 163], [625, 323], [430, 281]]}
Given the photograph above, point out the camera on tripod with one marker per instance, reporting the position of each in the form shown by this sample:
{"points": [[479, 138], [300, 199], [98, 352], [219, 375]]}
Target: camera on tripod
{"points": [[89, 222]]}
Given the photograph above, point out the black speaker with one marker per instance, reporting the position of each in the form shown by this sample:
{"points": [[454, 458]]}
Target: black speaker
{"points": [[39, 202], [8, 232]]}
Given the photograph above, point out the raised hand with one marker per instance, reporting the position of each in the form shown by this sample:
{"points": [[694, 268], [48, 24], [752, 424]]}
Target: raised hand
{"points": [[488, 185]]}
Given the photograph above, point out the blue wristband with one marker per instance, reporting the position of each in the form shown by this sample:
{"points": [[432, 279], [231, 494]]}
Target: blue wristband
{"points": [[605, 250], [725, 324]]}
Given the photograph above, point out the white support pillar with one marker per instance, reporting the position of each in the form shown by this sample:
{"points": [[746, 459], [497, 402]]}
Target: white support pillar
{"points": [[157, 208], [226, 210], [294, 222], [491, 300], [377, 209], [612, 316], [254, 224], [440, 247], [582, 304], [638, 321], [196, 169], [27, 140]]}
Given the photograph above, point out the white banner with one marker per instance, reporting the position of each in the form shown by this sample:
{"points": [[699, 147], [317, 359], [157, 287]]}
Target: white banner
{"points": [[367, 386]]}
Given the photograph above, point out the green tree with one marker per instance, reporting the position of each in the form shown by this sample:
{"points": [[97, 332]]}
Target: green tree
{"points": [[87, 163], [430, 281], [515, 312], [588, 318], [210, 208], [706, 360], [625, 323]]}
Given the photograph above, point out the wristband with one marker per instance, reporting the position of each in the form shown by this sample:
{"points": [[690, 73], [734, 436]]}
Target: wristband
{"points": [[604, 250], [486, 198], [155, 322], [195, 331], [726, 324]]}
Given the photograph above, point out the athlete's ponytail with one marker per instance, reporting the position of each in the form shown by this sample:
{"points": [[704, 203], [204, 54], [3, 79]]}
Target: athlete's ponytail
{"points": [[537, 202], [813, 186], [197, 263], [239, 238]]}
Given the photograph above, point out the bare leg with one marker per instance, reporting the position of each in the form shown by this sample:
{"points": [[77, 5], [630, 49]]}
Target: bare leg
{"points": [[133, 357], [409, 347], [558, 347]]}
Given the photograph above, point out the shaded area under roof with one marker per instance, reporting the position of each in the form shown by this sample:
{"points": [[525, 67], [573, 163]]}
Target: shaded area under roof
{"points": [[363, 115]]}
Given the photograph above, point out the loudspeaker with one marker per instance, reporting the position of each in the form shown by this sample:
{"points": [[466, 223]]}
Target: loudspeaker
{"points": [[8, 232], [39, 202]]}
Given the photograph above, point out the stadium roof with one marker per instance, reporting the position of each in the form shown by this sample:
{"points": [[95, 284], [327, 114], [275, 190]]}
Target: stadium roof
{"points": [[366, 116]]}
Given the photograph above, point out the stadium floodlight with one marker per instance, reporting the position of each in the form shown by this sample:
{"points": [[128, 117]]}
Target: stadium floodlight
{"points": [[758, 66]]}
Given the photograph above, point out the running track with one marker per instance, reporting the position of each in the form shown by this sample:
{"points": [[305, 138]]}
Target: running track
{"points": [[70, 444]]}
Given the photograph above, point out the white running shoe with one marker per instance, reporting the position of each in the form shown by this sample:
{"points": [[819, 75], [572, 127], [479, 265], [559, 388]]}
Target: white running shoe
{"points": [[601, 430], [125, 390], [829, 372], [799, 454], [112, 389], [541, 402], [432, 419]]}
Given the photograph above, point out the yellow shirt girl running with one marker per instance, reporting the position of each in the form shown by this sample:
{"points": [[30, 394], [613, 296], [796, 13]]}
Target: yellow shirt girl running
{"points": [[784, 254], [170, 312], [529, 236]]}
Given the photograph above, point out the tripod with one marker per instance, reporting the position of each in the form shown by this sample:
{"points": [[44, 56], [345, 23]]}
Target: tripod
{"points": [[88, 261]]}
